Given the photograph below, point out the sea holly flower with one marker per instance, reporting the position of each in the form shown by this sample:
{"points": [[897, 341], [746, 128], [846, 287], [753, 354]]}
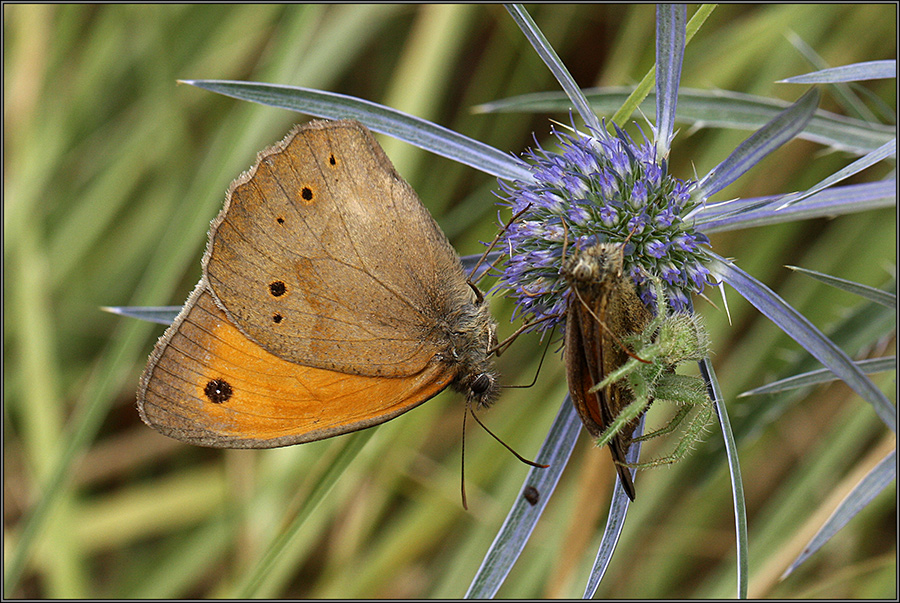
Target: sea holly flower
{"points": [[664, 217], [615, 190], [604, 184]]}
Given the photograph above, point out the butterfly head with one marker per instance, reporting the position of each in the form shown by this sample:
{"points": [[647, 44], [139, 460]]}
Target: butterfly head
{"points": [[593, 266]]}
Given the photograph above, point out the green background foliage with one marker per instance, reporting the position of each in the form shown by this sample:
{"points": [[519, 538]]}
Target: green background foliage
{"points": [[112, 172]]}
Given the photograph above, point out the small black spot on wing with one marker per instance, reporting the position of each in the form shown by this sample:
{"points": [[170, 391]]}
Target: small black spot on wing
{"points": [[277, 288]]}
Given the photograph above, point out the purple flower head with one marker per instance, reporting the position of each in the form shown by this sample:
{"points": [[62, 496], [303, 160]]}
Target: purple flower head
{"points": [[553, 202], [600, 188], [550, 174], [648, 296], [582, 160]]}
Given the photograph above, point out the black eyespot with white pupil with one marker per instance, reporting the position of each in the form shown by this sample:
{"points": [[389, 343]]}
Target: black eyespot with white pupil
{"points": [[218, 391]]}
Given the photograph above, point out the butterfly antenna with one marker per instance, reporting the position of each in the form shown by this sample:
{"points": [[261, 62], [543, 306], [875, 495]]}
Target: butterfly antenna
{"points": [[491, 246], [565, 242], [462, 472]]}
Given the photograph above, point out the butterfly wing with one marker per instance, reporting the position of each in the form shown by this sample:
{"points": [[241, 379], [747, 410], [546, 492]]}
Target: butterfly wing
{"points": [[324, 256], [584, 356], [207, 384], [623, 312]]}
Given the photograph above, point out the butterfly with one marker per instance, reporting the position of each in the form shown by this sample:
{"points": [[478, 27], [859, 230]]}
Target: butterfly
{"points": [[603, 308], [330, 302]]}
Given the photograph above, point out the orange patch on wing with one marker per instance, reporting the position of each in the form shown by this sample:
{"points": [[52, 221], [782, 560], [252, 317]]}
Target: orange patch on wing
{"points": [[265, 401]]}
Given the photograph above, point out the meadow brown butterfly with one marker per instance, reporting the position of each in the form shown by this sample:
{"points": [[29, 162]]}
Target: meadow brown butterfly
{"points": [[330, 301], [603, 308]]}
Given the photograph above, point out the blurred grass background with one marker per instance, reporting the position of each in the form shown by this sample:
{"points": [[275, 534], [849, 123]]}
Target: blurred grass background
{"points": [[112, 172]]}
